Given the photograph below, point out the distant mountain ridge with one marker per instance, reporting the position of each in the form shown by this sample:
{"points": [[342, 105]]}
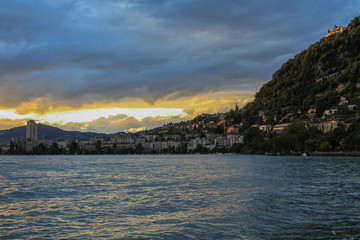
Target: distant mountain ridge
{"points": [[49, 133], [324, 76]]}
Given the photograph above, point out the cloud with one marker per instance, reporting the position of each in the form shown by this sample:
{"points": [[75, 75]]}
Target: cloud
{"points": [[118, 123], [73, 53], [106, 125], [6, 123], [111, 124]]}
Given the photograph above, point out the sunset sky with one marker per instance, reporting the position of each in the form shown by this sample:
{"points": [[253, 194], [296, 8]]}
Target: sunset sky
{"points": [[110, 66]]}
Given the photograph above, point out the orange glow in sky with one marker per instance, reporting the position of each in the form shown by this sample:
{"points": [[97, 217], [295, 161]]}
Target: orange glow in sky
{"points": [[115, 116]]}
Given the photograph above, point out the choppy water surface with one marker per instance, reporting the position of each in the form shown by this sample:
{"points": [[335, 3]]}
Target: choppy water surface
{"points": [[179, 197]]}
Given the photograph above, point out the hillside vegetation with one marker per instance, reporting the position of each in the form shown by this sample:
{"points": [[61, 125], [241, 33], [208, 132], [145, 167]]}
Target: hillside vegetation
{"points": [[311, 78], [311, 104]]}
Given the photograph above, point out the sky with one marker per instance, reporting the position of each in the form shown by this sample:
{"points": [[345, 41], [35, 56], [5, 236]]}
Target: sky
{"points": [[110, 66]]}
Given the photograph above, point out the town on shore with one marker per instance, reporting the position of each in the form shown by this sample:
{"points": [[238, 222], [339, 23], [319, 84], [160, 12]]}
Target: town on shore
{"points": [[310, 106], [211, 133]]}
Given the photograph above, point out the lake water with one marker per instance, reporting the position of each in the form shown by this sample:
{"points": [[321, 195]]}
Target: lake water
{"points": [[179, 197]]}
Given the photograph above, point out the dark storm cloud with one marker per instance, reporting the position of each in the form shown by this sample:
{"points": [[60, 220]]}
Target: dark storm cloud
{"points": [[106, 50]]}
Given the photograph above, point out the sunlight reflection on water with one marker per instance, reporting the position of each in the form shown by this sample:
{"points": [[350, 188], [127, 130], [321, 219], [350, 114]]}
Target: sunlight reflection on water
{"points": [[178, 197]]}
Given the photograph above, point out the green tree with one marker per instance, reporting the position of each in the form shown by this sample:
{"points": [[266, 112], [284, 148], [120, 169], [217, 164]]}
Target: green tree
{"points": [[293, 138], [182, 149], [200, 149], [139, 148], [40, 149], [253, 135], [98, 146], [334, 137], [12, 147], [54, 148], [285, 143], [253, 140], [234, 116], [325, 146], [312, 144], [73, 147], [351, 142]]}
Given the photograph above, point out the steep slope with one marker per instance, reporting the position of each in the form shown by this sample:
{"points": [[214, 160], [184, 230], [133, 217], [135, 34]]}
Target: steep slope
{"points": [[318, 77]]}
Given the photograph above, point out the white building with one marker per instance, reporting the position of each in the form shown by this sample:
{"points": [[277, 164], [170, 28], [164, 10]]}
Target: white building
{"points": [[232, 139], [197, 141], [326, 126], [125, 139]]}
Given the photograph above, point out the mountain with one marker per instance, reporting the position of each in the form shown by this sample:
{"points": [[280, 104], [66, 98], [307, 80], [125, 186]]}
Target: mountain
{"points": [[49, 133], [325, 75]]}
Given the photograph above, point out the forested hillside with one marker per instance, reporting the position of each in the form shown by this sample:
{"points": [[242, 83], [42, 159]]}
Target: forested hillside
{"points": [[315, 78]]}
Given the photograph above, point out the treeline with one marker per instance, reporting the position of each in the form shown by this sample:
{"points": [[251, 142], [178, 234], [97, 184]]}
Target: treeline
{"points": [[299, 137], [73, 148]]}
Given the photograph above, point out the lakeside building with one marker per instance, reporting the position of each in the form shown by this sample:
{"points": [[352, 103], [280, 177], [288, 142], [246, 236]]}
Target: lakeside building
{"points": [[31, 131], [186, 137]]}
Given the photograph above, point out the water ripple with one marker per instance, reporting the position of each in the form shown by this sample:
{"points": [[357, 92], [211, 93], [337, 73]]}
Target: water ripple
{"points": [[179, 197]]}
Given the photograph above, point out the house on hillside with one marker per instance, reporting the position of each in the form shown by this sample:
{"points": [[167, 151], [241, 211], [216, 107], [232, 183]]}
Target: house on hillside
{"points": [[326, 126], [233, 138], [262, 114], [278, 128], [233, 129], [343, 101], [340, 88], [265, 128], [351, 107], [287, 117], [330, 112], [222, 116], [311, 112]]}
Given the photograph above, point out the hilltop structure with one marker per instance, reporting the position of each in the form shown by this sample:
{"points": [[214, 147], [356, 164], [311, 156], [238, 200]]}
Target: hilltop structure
{"points": [[337, 30], [311, 104]]}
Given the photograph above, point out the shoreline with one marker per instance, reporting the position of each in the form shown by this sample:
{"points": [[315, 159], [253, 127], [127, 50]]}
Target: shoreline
{"points": [[335, 154], [305, 154]]}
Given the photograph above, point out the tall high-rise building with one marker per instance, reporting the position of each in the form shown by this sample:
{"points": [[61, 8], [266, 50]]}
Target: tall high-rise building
{"points": [[31, 131]]}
